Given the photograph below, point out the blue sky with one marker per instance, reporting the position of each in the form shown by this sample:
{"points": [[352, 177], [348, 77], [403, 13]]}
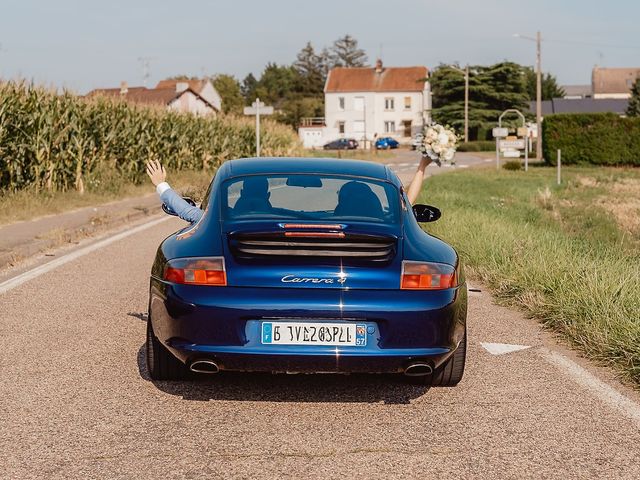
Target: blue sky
{"points": [[87, 44]]}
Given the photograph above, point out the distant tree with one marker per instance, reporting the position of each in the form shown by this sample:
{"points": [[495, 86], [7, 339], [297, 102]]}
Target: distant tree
{"points": [[296, 107], [550, 88], [492, 90], [248, 88], [345, 53], [277, 83], [229, 89], [633, 110], [310, 68]]}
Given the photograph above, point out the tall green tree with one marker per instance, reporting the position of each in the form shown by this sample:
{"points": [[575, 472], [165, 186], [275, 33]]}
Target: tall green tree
{"points": [[345, 53], [633, 110], [550, 87], [277, 83], [492, 90], [311, 69], [229, 89], [248, 88]]}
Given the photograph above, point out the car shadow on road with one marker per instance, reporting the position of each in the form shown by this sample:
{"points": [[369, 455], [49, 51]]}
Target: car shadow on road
{"points": [[266, 387]]}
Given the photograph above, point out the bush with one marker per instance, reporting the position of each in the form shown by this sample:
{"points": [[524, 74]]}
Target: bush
{"points": [[477, 146], [512, 165], [61, 142], [596, 138]]}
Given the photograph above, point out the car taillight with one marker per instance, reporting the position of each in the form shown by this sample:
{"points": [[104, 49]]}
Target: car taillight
{"points": [[427, 276], [196, 271]]}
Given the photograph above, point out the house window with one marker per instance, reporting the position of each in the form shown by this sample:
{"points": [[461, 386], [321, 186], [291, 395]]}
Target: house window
{"points": [[341, 103], [389, 127], [340, 127], [358, 104], [407, 103], [389, 103], [358, 126]]}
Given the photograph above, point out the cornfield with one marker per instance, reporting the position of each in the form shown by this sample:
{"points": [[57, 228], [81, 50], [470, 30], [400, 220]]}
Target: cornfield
{"points": [[58, 142]]}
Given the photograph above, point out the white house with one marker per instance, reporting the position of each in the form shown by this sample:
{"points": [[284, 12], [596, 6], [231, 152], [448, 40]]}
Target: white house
{"points": [[194, 96], [365, 103]]}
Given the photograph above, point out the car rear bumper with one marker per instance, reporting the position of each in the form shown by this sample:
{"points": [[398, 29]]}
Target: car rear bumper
{"points": [[223, 324]]}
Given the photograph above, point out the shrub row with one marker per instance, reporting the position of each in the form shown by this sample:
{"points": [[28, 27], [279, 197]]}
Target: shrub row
{"points": [[477, 146], [60, 142], [596, 138]]}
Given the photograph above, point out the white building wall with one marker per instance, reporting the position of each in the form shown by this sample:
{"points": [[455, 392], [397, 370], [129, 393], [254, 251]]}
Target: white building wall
{"points": [[374, 115], [188, 102]]}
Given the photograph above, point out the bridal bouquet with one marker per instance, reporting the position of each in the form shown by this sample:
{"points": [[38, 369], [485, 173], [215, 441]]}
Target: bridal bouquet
{"points": [[439, 143]]}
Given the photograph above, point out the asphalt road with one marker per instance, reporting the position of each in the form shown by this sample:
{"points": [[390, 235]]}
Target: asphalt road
{"points": [[76, 400], [404, 163]]}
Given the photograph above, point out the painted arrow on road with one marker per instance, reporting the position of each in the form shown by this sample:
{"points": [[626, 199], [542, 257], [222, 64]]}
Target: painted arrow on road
{"points": [[502, 348]]}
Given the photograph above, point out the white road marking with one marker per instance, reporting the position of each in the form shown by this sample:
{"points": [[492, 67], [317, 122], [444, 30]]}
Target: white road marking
{"points": [[463, 166], [488, 159], [47, 267], [604, 392], [502, 348]]}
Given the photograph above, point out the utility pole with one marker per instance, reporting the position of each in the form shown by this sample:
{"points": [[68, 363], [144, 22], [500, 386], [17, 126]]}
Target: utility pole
{"points": [[538, 98], [466, 103], [538, 41]]}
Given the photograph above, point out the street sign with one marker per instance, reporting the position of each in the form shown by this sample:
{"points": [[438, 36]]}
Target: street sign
{"points": [[511, 144], [258, 108], [499, 132], [511, 154]]}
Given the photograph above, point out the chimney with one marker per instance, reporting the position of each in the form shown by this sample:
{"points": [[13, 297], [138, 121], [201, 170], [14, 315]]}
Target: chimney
{"points": [[379, 66], [124, 89], [181, 86]]}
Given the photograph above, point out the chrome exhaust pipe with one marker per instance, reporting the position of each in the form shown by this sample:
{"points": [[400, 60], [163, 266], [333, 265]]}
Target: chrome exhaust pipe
{"points": [[418, 369], [204, 366]]}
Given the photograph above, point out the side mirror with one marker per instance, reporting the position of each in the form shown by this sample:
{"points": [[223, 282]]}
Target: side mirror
{"points": [[426, 213], [169, 211]]}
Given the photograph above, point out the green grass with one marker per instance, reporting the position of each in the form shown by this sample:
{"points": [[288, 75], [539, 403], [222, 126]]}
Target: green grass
{"points": [[569, 256], [28, 204]]}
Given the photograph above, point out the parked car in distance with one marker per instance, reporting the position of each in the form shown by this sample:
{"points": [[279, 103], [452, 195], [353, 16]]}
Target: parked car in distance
{"points": [[341, 144], [385, 143], [417, 141]]}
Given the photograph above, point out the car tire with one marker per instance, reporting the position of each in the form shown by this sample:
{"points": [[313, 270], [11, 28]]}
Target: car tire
{"points": [[161, 364], [450, 373]]}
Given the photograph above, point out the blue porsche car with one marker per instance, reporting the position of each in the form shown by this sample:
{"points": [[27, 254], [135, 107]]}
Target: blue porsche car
{"points": [[308, 265]]}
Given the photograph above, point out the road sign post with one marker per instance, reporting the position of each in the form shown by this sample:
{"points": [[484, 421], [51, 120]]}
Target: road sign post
{"points": [[258, 108], [511, 147]]}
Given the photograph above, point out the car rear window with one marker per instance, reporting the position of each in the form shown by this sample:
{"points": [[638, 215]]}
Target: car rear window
{"points": [[312, 197]]}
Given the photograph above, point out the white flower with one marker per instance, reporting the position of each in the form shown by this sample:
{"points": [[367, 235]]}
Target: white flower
{"points": [[437, 148], [443, 139], [448, 154]]}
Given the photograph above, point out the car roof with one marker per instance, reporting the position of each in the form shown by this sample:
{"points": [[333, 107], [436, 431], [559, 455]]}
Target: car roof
{"points": [[322, 166]]}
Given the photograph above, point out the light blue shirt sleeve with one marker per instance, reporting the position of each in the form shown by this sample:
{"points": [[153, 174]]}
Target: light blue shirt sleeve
{"points": [[176, 203]]}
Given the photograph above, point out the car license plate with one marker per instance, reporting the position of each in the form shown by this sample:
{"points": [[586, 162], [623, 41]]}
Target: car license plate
{"points": [[306, 333]]}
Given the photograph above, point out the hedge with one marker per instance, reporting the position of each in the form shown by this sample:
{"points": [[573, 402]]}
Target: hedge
{"points": [[595, 138], [477, 146]]}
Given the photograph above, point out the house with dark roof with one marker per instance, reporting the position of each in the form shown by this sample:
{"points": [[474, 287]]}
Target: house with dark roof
{"points": [[368, 102], [582, 105], [193, 96]]}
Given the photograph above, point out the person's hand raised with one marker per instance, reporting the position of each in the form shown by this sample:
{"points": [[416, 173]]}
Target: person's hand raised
{"points": [[156, 172]]}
